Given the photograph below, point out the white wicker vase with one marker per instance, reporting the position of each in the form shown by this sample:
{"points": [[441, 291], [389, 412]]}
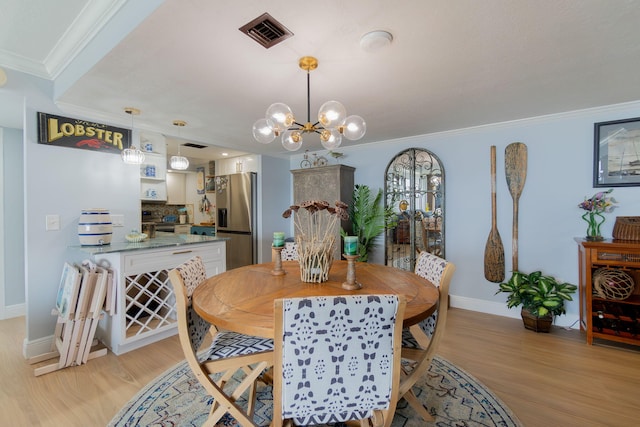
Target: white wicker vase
{"points": [[315, 258]]}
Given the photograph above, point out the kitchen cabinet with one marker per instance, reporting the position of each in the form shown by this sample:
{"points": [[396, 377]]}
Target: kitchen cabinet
{"points": [[145, 302], [329, 183], [176, 191], [607, 318], [153, 170]]}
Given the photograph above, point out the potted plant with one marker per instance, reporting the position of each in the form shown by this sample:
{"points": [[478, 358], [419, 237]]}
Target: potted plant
{"points": [[368, 218], [595, 206], [540, 296]]}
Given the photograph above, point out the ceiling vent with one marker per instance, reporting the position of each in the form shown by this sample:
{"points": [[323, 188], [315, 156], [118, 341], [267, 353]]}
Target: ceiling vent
{"points": [[266, 30], [192, 145]]}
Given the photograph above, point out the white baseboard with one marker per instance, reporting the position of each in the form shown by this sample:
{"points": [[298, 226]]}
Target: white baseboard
{"points": [[500, 309], [15, 310], [489, 307], [37, 347]]}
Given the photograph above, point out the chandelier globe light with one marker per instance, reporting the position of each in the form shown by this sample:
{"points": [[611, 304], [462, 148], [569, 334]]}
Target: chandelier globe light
{"points": [[179, 162], [333, 122], [132, 155]]}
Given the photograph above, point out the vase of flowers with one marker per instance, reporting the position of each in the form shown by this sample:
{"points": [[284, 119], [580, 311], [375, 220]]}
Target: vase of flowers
{"points": [[315, 222], [595, 207]]}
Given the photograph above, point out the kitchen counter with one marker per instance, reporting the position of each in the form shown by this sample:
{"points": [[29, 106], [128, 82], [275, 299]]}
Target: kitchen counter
{"points": [[162, 240]]}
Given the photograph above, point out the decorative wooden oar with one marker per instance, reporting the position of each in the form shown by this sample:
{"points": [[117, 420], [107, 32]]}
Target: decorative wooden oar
{"points": [[515, 165], [493, 250]]}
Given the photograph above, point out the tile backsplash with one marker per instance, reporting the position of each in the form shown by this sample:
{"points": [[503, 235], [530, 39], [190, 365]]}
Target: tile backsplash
{"points": [[158, 211]]}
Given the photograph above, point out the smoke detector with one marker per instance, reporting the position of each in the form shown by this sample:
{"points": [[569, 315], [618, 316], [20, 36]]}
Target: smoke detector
{"points": [[375, 40]]}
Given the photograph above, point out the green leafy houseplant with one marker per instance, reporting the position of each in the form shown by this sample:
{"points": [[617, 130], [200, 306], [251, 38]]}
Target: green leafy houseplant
{"points": [[368, 218], [539, 294]]}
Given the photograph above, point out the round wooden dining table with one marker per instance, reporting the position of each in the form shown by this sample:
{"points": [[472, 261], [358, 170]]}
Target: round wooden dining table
{"points": [[242, 299]]}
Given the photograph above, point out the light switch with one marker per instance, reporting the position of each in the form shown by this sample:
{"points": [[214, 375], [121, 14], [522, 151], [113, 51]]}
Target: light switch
{"points": [[117, 220], [52, 222]]}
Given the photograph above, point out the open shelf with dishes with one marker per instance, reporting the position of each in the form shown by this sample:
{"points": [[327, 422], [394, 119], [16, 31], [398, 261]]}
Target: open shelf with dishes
{"points": [[153, 171]]}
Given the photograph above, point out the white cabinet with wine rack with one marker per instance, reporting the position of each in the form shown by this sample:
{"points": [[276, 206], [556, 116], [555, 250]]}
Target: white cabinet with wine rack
{"points": [[145, 303]]}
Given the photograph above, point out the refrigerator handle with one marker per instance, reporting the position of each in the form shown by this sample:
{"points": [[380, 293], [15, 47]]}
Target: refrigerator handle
{"points": [[222, 217]]}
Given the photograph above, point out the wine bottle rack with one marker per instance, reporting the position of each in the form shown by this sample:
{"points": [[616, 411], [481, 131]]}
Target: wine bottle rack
{"points": [[149, 302]]}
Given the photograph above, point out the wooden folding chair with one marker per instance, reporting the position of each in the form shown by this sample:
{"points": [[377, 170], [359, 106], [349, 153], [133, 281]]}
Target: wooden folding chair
{"points": [[420, 341], [337, 359], [228, 354]]}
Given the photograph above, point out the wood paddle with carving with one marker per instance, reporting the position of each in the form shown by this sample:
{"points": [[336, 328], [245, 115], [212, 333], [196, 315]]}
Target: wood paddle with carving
{"points": [[494, 251], [515, 164]]}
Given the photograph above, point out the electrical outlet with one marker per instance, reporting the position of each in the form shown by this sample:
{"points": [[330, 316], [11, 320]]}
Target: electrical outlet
{"points": [[117, 220], [52, 222]]}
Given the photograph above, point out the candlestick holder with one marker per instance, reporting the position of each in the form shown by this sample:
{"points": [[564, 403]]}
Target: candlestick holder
{"points": [[351, 283], [277, 261]]}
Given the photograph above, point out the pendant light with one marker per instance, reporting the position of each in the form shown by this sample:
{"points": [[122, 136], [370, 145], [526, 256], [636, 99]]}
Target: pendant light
{"points": [[179, 162], [331, 126], [132, 155]]}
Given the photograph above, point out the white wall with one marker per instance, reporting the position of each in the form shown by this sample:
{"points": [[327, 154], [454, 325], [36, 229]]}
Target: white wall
{"points": [[275, 194], [559, 176], [13, 200], [63, 181]]}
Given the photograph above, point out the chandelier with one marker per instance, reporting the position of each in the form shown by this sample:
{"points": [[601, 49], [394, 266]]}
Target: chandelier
{"points": [[132, 155], [332, 123], [179, 162]]}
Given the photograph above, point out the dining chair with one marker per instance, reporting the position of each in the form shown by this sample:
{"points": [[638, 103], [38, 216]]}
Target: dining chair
{"points": [[228, 353], [290, 252], [336, 359], [420, 341]]}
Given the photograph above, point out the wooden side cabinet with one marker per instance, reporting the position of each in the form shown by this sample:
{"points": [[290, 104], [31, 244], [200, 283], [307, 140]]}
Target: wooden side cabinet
{"points": [[603, 318]]}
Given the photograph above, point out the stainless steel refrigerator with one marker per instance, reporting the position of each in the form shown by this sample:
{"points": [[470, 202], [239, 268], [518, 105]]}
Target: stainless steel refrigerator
{"points": [[236, 217]]}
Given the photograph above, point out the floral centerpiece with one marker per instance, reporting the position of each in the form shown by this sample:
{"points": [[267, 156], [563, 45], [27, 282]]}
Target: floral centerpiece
{"points": [[595, 206], [316, 222]]}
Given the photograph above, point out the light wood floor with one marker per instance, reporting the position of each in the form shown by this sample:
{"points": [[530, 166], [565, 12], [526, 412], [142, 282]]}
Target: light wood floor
{"points": [[548, 380]]}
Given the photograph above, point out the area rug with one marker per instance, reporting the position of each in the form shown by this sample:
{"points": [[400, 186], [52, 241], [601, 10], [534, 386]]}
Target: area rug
{"points": [[452, 396]]}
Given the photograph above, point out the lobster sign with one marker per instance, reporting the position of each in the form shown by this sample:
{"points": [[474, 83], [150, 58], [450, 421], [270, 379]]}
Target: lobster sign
{"points": [[76, 133]]}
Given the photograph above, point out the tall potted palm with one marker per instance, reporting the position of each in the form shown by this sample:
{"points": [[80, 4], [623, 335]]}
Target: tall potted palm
{"points": [[368, 218]]}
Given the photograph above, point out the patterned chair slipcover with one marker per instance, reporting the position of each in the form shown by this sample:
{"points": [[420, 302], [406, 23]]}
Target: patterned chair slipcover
{"points": [[430, 267], [290, 252], [225, 346], [225, 343], [337, 357]]}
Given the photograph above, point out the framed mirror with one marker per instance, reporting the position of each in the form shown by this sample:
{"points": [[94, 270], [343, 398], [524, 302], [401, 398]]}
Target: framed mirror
{"points": [[414, 190]]}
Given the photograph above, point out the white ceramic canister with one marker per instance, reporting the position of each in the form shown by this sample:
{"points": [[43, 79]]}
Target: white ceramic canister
{"points": [[94, 227]]}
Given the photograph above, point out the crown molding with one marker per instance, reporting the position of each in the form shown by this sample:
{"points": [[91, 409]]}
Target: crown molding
{"points": [[89, 22], [93, 17]]}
